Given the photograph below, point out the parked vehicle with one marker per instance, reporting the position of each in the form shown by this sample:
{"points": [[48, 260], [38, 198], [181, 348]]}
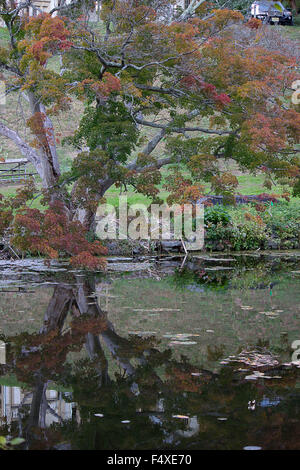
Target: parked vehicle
{"points": [[271, 12]]}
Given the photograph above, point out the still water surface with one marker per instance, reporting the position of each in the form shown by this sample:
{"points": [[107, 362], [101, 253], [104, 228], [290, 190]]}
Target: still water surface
{"points": [[155, 354]]}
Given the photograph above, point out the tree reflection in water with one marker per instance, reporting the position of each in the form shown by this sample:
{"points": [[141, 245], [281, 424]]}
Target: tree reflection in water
{"points": [[165, 403]]}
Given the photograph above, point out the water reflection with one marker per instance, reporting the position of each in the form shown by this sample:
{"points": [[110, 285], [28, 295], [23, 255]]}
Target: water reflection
{"points": [[14, 399], [78, 384]]}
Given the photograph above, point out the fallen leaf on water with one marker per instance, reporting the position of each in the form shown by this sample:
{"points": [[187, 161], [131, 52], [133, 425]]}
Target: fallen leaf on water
{"points": [[179, 335], [186, 343], [156, 309], [252, 448], [180, 416]]}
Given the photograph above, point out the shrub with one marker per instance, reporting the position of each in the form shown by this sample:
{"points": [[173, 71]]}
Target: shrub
{"points": [[243, 228], [215, 215]]}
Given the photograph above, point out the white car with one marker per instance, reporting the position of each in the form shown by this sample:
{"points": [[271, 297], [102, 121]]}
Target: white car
{"points": [[271, 12]]}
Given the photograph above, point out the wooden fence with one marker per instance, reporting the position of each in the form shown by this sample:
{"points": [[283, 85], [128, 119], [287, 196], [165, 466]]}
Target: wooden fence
{"points": [[15, 170]]}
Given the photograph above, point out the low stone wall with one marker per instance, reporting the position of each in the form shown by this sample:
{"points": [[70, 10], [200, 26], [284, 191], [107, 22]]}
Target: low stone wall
{"points": [[145, 247], [239, 199]]}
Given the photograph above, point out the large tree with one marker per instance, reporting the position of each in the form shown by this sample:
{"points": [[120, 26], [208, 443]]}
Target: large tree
{"points": [[159, 87]]}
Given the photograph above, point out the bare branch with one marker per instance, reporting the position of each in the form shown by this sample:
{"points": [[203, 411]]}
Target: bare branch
{"points": [[190, 10], [154, 142], [158, 164]]}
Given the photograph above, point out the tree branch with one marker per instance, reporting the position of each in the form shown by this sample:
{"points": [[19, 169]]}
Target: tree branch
{"points": [[158, 164], [166, 91], [154, 142], [190, 10], [181, 129]]}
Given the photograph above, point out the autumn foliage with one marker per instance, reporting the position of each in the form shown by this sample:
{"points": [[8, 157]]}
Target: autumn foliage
{"points": [[49, 233]]}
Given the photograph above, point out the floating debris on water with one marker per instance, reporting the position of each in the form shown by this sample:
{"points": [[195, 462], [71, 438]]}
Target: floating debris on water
{"points": [[142, 333], [255, 358], [156, 309], [252, 448], [251, 405], [180, 335], [186, 343]]}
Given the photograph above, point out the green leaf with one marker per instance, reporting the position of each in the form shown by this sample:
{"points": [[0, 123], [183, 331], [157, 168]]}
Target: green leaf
{"points": [[16, 441]]}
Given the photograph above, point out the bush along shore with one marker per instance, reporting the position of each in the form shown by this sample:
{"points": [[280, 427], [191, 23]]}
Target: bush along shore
{"points": [[271, 226], [252, 227]]}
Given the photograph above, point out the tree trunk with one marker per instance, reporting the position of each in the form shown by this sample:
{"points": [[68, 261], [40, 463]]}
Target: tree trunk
{"points": [[85, 214], [58, 308], [46, 141], [43, 155]]}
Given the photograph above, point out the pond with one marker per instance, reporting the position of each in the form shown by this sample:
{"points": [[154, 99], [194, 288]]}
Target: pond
{"points": [[157, 353]]}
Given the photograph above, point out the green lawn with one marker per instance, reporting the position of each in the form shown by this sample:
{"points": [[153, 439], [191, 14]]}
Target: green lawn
{"points": [[4, 36], [10, 190], [248, 184], [292, 32]]}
